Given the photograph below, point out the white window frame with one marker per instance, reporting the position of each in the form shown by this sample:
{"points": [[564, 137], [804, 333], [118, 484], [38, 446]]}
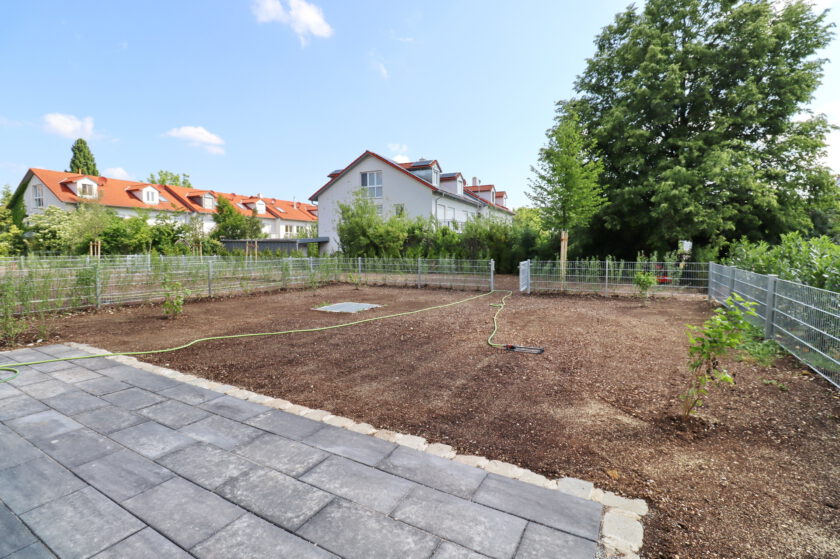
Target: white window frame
{"points": [[86, 190], [371, 182], [288, 230], [207, 202], [38, 195], [435, 176], [150, 196]]}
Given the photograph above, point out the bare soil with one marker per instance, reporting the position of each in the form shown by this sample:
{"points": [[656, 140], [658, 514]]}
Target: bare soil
{"points": [[755, 475]]}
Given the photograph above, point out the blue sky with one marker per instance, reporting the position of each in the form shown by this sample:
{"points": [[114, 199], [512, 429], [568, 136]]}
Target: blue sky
{"points": [[271, 95]]}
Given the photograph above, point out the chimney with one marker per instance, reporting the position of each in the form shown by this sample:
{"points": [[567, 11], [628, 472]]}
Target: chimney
{"points": [[259, 194], [475, 181]]}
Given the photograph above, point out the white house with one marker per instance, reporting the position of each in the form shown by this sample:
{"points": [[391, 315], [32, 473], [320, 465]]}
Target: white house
{"points": [[41, 188], [416, 189]]}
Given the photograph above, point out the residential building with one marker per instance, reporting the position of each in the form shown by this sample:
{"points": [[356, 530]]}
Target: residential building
{"points": [[42, 188], [416, 189]]}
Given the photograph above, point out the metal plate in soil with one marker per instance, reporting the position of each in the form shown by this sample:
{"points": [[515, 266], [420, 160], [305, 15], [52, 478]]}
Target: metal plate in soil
{"points": [[347, 307]]}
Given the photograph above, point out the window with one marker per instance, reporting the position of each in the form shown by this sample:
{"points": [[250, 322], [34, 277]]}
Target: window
{"points": [[435, 177], [86, 190], [38, 195], [260, 207], [372, 184], [207, 202], [289, 230], [379, 210], [150, 196], [399, 209]]}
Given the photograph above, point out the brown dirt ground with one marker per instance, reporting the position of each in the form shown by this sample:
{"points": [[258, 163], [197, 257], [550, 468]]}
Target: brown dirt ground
{"points": [[754, 476]]}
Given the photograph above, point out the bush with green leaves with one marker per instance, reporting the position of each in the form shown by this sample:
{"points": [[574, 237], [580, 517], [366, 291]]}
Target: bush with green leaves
{"points": [[727, 330], [173, 302], [643, 282]]}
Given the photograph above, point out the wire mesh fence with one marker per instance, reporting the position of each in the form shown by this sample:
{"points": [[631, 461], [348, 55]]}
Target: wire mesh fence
{"points": [[48, 284], [802, 319], [610, 276]]}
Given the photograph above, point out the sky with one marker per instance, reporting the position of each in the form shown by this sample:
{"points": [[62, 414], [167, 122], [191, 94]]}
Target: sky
{"points": [[269, 96]]}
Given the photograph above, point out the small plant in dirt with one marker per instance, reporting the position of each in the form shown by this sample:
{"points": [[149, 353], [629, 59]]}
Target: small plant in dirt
{"points": [[761, 351], [355, 279], [643, 282], [727, 330], [10, 325], [773, 382], [173, 303]]}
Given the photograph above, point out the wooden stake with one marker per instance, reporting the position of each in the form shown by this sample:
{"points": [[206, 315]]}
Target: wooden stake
{"points": [[564, 247]]}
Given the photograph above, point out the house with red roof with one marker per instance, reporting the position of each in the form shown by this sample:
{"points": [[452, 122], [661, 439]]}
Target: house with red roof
{"points": [[42, 188], [414, 189]]}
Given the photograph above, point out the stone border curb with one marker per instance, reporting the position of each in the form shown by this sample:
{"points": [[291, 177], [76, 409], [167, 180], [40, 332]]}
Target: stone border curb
{"points": [[622, 533]]}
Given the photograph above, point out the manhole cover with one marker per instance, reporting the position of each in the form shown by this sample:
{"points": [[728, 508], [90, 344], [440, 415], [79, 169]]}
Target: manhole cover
{"points": [[347, 307]]}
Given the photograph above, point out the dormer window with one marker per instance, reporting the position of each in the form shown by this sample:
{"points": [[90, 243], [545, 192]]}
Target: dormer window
{"points": [[435, 176], [260, 207], [208, 202], [150, 196], [86, 189]]}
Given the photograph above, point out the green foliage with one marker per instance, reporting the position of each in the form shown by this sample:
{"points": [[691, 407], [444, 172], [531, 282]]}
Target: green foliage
{"points": [[51, 230], [773, 382], [566, 189], [814, 262], [231, 224], [82, 161], [695, 106], [173, 302], [10, 325], [643, 282], [11, 236], [728, 329], [168, 177]]}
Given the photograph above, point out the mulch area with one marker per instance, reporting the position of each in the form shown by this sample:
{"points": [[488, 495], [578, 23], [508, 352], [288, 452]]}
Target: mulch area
{"points": [[755, 475]]}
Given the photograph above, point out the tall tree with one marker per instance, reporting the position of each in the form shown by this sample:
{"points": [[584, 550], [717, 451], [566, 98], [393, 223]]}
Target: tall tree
{"points": [[694, 104], [231, 224], [565, 188], [82, 161], [168, 177]]}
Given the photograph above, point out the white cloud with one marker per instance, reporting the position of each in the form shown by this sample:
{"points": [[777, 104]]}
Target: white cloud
{"points": [[383, 71], [401, 158], [399, 152], [398, 148], [304, 18], [200, 137], [68, 126], [117, 173]]}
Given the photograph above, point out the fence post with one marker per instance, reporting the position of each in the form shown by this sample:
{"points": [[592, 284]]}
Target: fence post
{"points": [[419, 278], [731, 281], [492, 274], [209, 278], [360, 268], [709, 283], [770, 306], [311, 265], [97, 286], [606, 278], [529, 275]]}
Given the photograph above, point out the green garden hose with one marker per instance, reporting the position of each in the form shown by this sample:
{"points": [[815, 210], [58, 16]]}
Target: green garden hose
{"points": [[15, 372]]}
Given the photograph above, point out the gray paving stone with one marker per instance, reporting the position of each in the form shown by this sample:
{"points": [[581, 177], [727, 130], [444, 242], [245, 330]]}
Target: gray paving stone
{"points": [[25, 355], [442, 474], [47, 389], [77, 447], [42, 425], [222, 432], [449, 550], [151, 439], [74, 374], [233, 408], [81, 524], [276, 497], [541, 541], [285, 424], [31, 484], [174, 414], [35, 551], [555, 509], [183, 512], [15, 535], [52, 367], [75, 402], [133, 398], [109, 419], [255, 538], [279, 453], [145, 544], [206, 465], [355, 532], [14, 449], [60, 350], [359, 483], [19, 406], [103, 385], [190, 394], [7, 390], [97, 363], [473, 526], [123, 474], [138, 377], [361, 448], [28, 375]]}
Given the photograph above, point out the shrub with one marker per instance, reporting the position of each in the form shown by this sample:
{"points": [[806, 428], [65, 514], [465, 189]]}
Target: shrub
{"points": [[643, 282], [173, 303], [728, 329]]}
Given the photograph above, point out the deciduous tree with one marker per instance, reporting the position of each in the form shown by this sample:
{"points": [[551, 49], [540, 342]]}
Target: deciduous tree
{"points": [[168, 177]]}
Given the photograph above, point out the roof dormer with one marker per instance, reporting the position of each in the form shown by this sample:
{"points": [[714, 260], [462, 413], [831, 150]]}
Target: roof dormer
{"points": [[259, 207], [208, 202], [83, 187]]}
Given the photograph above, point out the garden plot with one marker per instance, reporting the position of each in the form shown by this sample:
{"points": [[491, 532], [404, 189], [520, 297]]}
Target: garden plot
{"points": [[755, 476]]}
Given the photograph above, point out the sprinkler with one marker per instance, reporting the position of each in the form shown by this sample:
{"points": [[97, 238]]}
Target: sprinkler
{"points": [[524, 348]]}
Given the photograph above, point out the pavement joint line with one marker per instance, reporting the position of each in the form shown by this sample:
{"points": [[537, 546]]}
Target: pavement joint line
{"points": [[621, 532]]}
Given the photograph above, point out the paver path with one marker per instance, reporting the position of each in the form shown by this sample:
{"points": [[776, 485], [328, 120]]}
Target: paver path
{"points": [[100, 459]]}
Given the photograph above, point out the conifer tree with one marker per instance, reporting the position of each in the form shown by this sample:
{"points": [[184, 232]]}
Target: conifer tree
{"points": [[82, 161]]}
